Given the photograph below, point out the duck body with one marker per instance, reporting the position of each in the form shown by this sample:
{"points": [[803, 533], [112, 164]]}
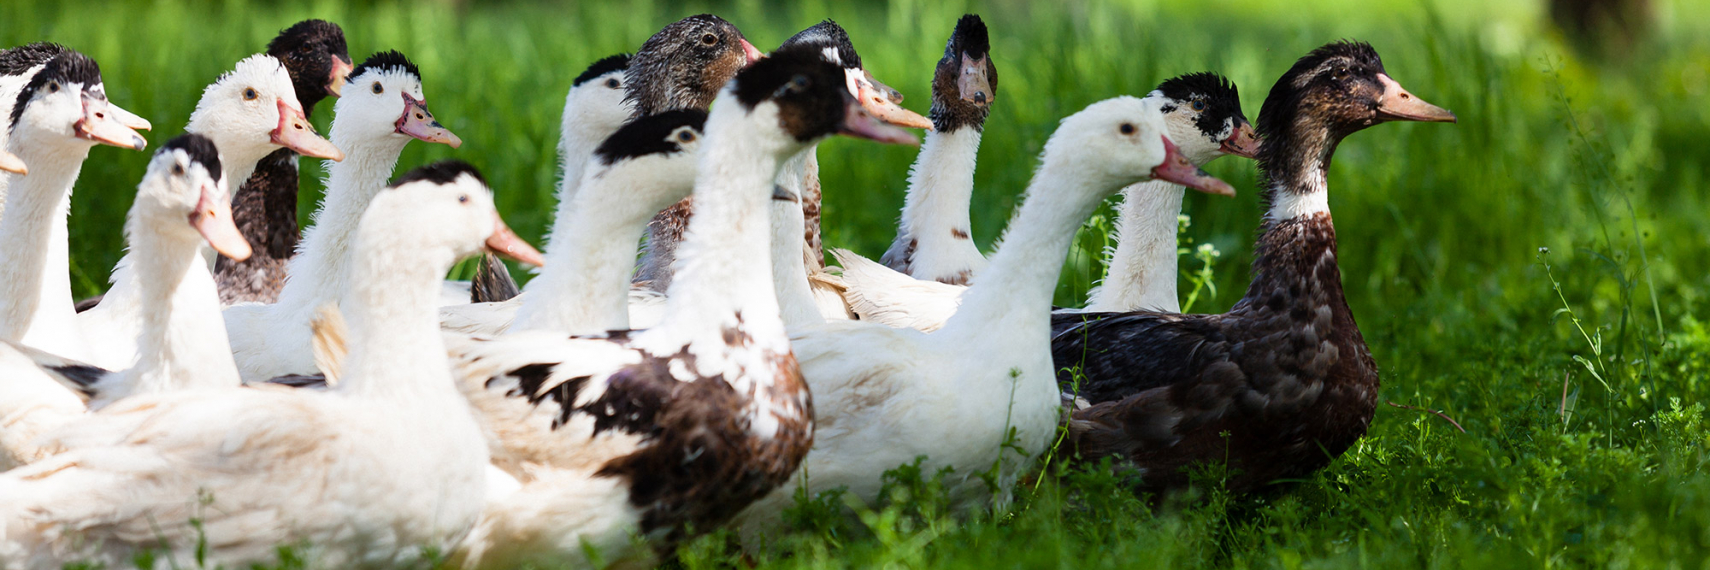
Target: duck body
{"points": [[1283, 383]]}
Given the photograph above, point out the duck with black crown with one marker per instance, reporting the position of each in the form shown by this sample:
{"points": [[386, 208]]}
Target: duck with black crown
{"points": [[1283, 383]]}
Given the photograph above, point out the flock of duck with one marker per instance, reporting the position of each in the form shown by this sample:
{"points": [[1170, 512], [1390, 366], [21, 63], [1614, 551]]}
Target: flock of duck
{"points": [[336, 393]]}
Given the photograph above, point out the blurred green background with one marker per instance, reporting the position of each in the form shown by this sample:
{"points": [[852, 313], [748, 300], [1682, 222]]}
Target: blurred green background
{"points": [[1583, 442]]}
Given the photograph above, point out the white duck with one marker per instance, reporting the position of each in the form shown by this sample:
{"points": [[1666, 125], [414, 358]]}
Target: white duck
{"points": [[248, 112], [1202, 111], [183, 341], [58, 116], [17, 66], [234, 473], [667, 431], [382, 110], [980, 395]]}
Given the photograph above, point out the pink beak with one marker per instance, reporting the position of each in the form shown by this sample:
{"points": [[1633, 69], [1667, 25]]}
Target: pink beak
{"points": [[750, 52], [103, 127], [294, 132], [1177, 169], [417, 122], [505, 242]]}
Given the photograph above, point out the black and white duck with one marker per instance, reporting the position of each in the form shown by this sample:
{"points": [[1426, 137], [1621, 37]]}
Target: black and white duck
{"points": [[1283, 383]]}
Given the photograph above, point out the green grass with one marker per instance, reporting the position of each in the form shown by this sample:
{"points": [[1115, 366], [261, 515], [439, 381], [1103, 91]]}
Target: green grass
{"points": [[1440, 228]]}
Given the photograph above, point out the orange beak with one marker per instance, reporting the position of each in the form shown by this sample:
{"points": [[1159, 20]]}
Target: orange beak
{"points": [[1244, 143], [417, 122], [213, 219], [11, 163], [294, 132], [99, 125], [881, 101], [505, 243], [857, 122], [340, 73], [1177, 169], [1396, 104]]}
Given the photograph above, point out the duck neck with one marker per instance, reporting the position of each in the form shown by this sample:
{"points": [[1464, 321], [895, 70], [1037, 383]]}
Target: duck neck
{"points": [[239, 152], [790, 250], [584, 286], [723, 282], [1142, 272], [182, 343], [322, 269], [576, 143], [396, 353], [35, 266], [1296, 250], [934, 239], [1012, 298]]}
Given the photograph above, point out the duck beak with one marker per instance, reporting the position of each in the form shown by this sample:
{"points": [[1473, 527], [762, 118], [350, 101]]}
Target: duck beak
{"points": [[1177, 169], [1396, 104], [417, 122], [294, 132], [1244, 143], [973, 84], [881, 101], [857, 122], [99, 125], [340, 73], [750, 53], [128, 118], [505, 243], [213, 219], [11, 163]]}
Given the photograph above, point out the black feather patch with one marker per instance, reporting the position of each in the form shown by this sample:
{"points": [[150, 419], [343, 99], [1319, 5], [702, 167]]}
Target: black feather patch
{"points": [[605, 65], [823, 35], [308, 50], [199, 148], [969, 38], [389, 60], [651, 134], [808, 90], [20, 59], [442, 172], [83, 375], [67, 67], [1222, 100]]}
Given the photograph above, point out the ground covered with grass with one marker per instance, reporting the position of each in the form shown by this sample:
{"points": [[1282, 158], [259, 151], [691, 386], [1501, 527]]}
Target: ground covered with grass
{"points": [[1531, 280]]}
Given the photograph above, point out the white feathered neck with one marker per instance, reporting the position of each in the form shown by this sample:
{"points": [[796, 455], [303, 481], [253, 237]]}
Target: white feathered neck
{"points": [[935, 209], [35, 266]]}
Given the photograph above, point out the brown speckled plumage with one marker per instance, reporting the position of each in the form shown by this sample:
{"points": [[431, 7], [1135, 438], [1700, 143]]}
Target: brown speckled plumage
{"points": [[1283, 383]]}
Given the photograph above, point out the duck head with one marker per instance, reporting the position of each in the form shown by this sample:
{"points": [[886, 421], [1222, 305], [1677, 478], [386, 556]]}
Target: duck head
{"points": [[185, 183], [965, 82], [65, 103], [252, 110], [315, 55], [385, 102], [684, 65], [1121, 141], [446, 208], [831, 41], [652, 157], [23, 59], [810, 100], [597, 96], [1335, 91], [1203, 114]]}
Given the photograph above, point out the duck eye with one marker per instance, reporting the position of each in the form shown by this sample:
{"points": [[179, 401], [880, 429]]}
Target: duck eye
{"points": [[303, 49], [53, 87], [178, 169], [709, 39], [1127, 128], [378, 88], [1199, 105], [613, 83], [800, 82], [686, 136], [249, 94], [463, 198]]}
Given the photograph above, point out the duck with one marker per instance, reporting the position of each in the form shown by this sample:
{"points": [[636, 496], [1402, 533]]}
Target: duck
{"points": [[315, 56], [666, 433], [799, 179], [382, 112], [248, 112], [58, 116], [17, 66], [978, 397], [1283, 383], [933, 240], [179, 206], [1202, 110], [228, 475]]}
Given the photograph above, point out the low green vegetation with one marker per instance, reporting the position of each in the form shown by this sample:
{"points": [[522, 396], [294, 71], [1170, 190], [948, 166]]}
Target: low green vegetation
{"points": [[1532, 280]]}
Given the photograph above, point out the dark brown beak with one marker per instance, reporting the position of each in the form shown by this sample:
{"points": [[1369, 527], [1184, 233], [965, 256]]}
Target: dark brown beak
{"points": [[1396, 104]]}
